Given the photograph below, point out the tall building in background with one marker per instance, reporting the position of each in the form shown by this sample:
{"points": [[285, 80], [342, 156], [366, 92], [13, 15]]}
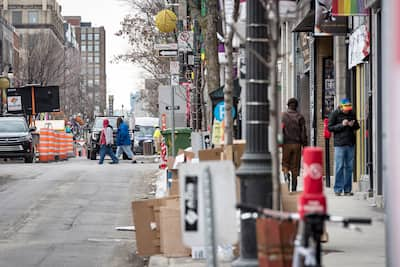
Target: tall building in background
{"points": [[92, 43], [40, 27]]}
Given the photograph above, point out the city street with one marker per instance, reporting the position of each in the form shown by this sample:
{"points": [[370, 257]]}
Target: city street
{"points": [[65, 213]]}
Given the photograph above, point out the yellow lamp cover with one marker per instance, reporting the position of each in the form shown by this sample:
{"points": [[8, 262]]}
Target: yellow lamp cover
{"points": [[166, 21], [4, 83]]}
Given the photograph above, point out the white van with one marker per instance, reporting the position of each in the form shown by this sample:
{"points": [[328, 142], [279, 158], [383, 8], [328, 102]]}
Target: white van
{"points": [[144, 130]]}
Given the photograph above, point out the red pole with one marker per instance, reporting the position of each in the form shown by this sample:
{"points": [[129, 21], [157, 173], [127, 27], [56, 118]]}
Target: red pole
{"points": [[312, 200]]}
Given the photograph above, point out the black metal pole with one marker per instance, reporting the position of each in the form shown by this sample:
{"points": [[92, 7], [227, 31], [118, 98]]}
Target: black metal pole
{"points": [[255, 172], [327, 164]]}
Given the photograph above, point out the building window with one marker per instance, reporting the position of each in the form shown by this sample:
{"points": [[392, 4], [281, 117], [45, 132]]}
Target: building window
{"points": [[17, 17], [90, 48], [83, 36], [90, 59], [96, 82], [33, 17], [96, 59], [90, 37], [96, 48], [96, 36], [83, 48], [97, 71], [90, 82]]}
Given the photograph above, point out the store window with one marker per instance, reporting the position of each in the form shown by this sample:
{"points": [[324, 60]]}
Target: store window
{"points": [[17, 17], [33, 17]]}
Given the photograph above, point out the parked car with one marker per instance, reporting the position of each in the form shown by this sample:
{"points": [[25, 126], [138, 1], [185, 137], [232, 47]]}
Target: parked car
{"points": [[93, 139], [16, 139]]}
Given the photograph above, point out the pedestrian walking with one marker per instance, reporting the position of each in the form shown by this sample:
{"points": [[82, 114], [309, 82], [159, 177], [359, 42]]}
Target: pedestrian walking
{"points": [[106, 142], [294, 139], [343, 124], [123, 140]]}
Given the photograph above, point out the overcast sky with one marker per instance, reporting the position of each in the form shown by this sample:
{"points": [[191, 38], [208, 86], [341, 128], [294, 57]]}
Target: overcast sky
{"points": [[121, 78]]}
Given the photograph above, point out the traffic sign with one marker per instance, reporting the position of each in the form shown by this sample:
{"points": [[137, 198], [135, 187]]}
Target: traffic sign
{"points": [[171, 46], [167, 53], [185, 41], [170, 108], [174, 67], [219, 111], [174, 80], [192, 184]]}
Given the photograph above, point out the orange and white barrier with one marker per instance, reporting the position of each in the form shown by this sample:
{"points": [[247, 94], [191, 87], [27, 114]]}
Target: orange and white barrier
{"points": [[70, 146], [46, 145], [54, 145]]}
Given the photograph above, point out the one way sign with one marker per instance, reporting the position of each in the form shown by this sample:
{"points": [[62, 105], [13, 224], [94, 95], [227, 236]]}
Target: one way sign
{"points": [[167, 53]]}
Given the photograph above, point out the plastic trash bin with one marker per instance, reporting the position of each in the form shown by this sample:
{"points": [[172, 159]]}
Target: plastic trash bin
{"points": [[182, 139], [148, 148]]}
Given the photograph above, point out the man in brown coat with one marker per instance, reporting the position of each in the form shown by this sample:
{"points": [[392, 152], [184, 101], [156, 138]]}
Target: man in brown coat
{"points": [[294, 138]]}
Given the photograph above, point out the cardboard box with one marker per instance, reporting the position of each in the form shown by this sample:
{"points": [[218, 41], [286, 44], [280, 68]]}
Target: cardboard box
{"points": [[146, 219], [210, 154], [170, 233], [174, 189], [289, 199]]}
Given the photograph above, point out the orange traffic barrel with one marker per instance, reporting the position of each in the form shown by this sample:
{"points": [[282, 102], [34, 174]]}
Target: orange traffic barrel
{"points": [[56, 145], [45, 146], [63, 146], [70, 146]]}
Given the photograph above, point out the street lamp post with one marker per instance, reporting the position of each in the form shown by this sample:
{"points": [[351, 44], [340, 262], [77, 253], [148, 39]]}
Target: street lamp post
{"points": [[255, 172]]}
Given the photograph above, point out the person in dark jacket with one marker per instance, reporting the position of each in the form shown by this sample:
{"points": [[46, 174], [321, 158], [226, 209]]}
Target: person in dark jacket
{"points": [[343, 124], [294, 138], [123, 140]]}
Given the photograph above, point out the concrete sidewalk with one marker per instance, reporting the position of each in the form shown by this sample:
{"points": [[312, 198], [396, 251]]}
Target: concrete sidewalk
{"points": [[346, 248]]}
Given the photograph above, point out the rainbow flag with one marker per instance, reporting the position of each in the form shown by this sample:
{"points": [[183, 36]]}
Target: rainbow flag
{"points": [[348, 8]]}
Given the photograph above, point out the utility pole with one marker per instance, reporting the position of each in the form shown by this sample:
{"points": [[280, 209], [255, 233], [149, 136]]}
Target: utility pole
{"points": [[391, 127], [255, 171]]}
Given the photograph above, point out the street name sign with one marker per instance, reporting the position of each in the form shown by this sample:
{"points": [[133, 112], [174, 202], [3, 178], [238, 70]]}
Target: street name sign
{"points": [[171, 46], [168, 53], [170, 108]]}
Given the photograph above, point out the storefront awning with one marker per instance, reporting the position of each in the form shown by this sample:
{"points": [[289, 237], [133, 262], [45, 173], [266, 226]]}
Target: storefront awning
{"points": [[305, 16], [219, 93]]}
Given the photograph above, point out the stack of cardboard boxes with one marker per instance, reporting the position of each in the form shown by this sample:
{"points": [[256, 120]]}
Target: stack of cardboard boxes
{"points": [[157, 221]]}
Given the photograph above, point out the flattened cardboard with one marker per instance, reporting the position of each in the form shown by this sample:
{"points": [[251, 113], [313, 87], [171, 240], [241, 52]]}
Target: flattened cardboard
{"points": [[289, 199], [146, 227], [174, 190], [210, 154], [170, 233], [146, 218]]}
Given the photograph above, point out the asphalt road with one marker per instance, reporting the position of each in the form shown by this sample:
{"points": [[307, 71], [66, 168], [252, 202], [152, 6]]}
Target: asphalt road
{"points": [[65, 213]]}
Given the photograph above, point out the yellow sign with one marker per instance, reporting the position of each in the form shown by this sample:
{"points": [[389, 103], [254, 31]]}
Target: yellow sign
{"points": [[218, 133], [166, 21]]}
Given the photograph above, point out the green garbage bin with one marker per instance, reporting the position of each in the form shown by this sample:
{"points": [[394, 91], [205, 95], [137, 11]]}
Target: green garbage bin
{"points": [[182, 139]]}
